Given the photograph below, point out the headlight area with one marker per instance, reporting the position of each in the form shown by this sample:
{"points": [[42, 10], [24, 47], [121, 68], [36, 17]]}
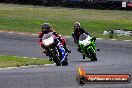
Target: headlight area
{"points": [[48, 41]]}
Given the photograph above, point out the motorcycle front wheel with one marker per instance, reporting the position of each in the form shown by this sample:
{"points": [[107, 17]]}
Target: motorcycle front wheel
{"points": [[55, 57], [92, 54]]}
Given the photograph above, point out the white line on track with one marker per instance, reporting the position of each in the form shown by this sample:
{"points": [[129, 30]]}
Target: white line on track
{"points": [[127, 40], [29, 66], [11, 32]]}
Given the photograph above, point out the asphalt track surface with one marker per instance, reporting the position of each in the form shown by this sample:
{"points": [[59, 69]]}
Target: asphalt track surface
{"points": [[113, 57]]}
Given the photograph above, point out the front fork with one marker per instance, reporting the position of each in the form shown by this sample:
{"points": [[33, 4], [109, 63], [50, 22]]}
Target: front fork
{"points": [[93, 46]]}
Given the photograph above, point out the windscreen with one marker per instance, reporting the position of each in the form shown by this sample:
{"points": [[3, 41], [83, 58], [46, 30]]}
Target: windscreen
{"points": [[83, 37], [46, 36]]}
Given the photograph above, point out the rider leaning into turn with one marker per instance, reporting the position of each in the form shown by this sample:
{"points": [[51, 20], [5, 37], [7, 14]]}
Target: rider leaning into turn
{"points": [[45, 30], [78, 30]]}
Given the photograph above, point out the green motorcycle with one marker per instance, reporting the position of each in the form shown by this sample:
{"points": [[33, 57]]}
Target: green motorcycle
{"points": [[88, 46]]}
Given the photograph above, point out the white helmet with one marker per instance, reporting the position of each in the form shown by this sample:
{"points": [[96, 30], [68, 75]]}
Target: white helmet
{"points": [[77, 25]]}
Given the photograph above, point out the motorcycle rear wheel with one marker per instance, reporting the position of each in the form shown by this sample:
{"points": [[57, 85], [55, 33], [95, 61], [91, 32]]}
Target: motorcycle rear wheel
{"points": [[65, 63]]}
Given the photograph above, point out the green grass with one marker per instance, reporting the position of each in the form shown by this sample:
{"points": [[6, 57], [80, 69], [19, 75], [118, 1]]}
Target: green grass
{"points": [[15, 61], [30, 18]]}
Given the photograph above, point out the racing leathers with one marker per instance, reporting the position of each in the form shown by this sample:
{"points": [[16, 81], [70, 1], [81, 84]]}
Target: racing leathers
{"points": [[77, 33]]}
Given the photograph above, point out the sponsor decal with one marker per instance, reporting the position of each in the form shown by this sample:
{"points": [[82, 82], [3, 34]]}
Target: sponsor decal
{"points": [[129, 4], [83, 78]]}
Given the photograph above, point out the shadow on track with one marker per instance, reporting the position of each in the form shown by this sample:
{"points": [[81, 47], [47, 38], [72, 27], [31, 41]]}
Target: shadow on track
{"points": [[82, 61]]}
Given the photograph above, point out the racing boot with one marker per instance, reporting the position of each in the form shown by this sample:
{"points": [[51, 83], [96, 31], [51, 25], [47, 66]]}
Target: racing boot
{"points": [[79, 50], [45, 51], [98, 49], [67, 50], [50, 59]]}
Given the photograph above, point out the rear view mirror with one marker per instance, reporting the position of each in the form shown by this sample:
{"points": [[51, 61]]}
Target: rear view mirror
{"points": [[93, 38]]}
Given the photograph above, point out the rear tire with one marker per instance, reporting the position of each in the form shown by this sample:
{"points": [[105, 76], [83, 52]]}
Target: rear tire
{"points": [[55, 58], [65, 63], [93, 55]]}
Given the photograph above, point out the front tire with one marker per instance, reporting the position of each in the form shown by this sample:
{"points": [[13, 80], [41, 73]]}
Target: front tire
{"points": [[55, 58], [93, 55]]}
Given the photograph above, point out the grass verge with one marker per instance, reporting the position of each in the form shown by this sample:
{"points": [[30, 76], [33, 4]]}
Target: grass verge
{"points": [[26, 18], [15, 61], [106, 37]]}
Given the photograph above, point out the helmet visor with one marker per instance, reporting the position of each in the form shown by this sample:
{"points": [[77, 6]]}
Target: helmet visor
{"points": [[77, 26]]}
